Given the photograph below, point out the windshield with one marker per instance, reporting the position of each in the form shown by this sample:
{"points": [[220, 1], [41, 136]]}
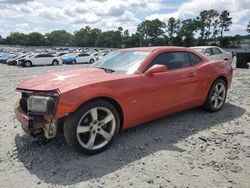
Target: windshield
{"points": [[122, 61]]}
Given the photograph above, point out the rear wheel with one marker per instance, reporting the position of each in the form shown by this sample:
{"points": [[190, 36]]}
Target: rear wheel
{"points": [[93, 127], [55, 63], [216, 96]]}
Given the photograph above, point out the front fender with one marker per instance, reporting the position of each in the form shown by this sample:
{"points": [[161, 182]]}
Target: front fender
{"points": [[70, 101]]}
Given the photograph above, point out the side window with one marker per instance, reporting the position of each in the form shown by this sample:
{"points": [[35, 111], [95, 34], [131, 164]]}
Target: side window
{"points": [[173, 60], [47, 55], [216, 51], [80, 55], [194, 59], [38, 56], [85, 55], [208, 51]]}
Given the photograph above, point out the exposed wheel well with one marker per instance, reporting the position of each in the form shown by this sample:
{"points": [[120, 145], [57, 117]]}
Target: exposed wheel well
{"points": [[222, 78], [55, 60], [112, 101]]}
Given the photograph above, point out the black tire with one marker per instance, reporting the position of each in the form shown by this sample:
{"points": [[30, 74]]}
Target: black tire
{"points": [[74, 62], [208, 105], [28, 64], [55, 63], [72, 121], [91, 61]]}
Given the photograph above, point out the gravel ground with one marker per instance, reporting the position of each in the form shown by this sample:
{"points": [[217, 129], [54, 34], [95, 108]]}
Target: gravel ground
{"points": [[189, 149]]}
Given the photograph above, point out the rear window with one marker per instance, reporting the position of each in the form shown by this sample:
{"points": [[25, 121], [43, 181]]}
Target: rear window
{"points": [[194, 59]]}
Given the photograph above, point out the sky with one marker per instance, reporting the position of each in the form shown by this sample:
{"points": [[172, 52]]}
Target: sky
{"points": [[46, 15]]}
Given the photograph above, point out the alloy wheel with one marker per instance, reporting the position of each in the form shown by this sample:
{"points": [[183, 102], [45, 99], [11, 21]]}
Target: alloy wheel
{"points": [[96, 128], [218, 95]]}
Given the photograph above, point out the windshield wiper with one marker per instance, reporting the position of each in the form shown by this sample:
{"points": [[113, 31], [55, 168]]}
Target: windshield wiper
{"points": [[106, 69]]}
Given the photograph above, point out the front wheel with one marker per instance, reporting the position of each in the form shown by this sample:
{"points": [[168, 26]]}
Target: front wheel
{"points": [[216, 96], [91, 61], [93, 127], [28, 64]]}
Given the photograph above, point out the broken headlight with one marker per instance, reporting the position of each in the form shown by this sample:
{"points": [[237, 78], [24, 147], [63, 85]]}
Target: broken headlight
{"points": [[41, 104]]}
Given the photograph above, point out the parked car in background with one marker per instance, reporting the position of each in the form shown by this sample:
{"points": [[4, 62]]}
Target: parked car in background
{"points": [[148, 82], [102, 54], [13, 61], [41, 59], [69, 59], [85, 58], [22, 60], [5, 57], [214, 52]]}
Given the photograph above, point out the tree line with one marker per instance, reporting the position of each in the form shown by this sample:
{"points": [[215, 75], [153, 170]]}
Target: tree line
{"points": [[208, 27]]}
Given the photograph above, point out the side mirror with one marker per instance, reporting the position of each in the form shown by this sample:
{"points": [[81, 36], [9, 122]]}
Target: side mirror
{"points": [[156, 69]]}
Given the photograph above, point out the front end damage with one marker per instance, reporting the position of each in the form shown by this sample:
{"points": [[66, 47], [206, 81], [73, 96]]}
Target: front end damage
{"points": [[36, 112]]}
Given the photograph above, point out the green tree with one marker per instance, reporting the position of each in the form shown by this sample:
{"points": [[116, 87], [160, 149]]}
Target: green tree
{"points": [[58, 38], [87, 37], [187, 30], [1, 40], [208, 21], [225, 42], [224, 22], [150, 31], [248, 27], [173, 27], [35, 39], [17, 38]]}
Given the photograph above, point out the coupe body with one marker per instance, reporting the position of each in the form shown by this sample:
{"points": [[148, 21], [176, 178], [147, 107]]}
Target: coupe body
{"points": [[125, 88]]}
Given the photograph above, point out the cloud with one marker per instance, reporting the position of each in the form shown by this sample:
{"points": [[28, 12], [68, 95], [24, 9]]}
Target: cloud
{"points": [[239, 10], [71, 15], [14, 1]]}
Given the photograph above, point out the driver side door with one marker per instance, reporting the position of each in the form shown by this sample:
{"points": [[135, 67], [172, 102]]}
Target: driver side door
{"points": [[170, 91]]}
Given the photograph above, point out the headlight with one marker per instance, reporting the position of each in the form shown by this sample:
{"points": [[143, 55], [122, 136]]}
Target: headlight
{"points": [[41, 104]]}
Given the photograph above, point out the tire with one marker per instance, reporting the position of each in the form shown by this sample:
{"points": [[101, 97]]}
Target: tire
{"points": [[217, 92], [28, 64], [87, 138], [91, 61], [55, 63]]}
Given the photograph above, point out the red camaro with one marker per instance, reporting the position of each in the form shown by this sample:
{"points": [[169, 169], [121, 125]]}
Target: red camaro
{"points": [[125, 88]]}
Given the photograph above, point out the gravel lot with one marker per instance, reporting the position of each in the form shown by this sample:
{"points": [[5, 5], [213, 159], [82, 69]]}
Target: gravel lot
{"points": [[189, 149]]}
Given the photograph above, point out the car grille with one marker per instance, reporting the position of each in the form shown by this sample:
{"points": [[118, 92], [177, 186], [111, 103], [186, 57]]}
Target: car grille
{"points": [[23, 102]]}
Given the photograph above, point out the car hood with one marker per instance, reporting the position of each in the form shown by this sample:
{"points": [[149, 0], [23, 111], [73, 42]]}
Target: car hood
{"points": [[67, 80]]}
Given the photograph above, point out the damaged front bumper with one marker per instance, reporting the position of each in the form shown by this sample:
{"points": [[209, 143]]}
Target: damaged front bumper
{"points": [[35, 125]]}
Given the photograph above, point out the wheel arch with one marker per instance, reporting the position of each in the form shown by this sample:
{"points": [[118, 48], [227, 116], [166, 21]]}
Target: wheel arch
{"points": [[110, 100], [219, 77], [222, 78]]}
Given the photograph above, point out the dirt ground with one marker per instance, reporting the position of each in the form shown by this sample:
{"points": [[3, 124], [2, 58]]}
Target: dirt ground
{"points": [[193, 148]]}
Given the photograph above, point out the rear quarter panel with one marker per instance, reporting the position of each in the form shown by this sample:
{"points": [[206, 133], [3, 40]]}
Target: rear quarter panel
{"points": [[209, 71]]}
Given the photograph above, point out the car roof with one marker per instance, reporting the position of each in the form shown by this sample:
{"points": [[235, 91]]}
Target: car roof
{"points": [[156, 48], [204, 47]]}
